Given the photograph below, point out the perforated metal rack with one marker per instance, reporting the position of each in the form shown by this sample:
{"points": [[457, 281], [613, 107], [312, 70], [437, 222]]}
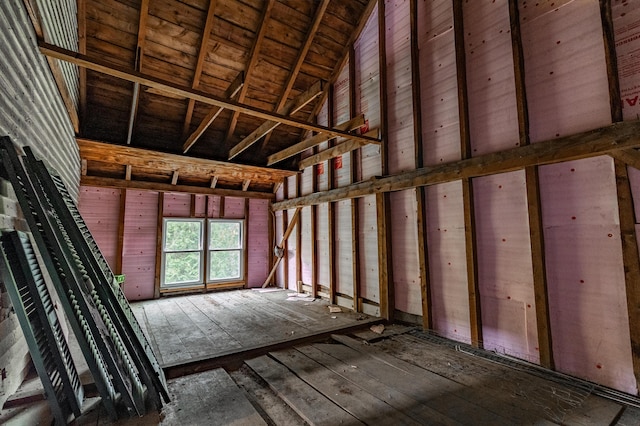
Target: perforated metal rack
{"points": [[36, 313]]}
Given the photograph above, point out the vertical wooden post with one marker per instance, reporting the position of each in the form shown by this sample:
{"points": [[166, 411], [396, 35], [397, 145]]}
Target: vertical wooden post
{"points": [[423, 254], [314, 236], [475, 316], [285, 222], [271, 223], [626, 211], [536, 232], [121, 217], [221, 212], [245, 243], [383, 223], [156, 291], [298, 236], [355, 212], [192, 206], [331, 213]]}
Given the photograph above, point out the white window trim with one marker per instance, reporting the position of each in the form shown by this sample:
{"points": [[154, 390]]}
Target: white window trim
{"points": [[164, 252], [205, 252], [242, 251]]}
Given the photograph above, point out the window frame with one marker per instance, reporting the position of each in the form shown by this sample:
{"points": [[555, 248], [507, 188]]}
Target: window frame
{"points": [[241, 250], [205, 252], [202, 271]]}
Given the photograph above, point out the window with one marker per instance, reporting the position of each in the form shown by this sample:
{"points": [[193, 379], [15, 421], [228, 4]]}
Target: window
{"points": [[184, 251], [225, 249]]}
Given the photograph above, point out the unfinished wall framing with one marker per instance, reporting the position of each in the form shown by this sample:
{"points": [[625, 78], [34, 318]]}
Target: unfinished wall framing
{"points": [[527, 257]]}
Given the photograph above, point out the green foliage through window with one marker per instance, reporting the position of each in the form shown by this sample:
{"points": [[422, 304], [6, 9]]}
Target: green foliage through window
{"points": [[184, 251]]}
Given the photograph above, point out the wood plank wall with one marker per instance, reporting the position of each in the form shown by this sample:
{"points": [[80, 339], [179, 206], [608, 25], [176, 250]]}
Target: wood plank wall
{"points": [[32, 114], [547, 247]]}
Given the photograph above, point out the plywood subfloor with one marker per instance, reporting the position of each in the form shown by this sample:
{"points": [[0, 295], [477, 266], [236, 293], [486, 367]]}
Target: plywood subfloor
{"points": [[186, 329]]}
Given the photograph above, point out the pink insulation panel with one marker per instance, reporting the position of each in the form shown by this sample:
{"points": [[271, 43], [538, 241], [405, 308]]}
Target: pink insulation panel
{"points": [[305, 250], [176, 205], [200, 205], [258, 242], [626, 24], [368, 90], [404, 243], [100, 209], [447, 261], [139, 246], [341, 165], [505, 273], [368, 240], [343, 260], [233, 208], [322, 244], [565, 70], [213, 207], [438, 84], [401, 146], [493, 118], [585, 273], [279, 231]]}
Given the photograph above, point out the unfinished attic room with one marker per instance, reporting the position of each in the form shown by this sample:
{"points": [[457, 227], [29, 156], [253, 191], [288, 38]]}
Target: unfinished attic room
{"points": [[319, 212]]}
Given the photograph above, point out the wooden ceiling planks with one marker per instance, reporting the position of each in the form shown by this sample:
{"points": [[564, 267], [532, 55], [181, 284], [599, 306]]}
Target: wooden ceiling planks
{"points": [[204, 44]]}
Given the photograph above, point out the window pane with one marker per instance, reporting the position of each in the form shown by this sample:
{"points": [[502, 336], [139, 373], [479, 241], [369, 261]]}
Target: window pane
{"points": [[224, 235], [224, 265], [182, 267], [182, 235]]}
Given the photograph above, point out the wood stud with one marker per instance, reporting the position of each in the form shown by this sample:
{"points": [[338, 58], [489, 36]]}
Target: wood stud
{"points": [[383, 215], [423, 255], [475, 316], [536, 232], [626, 209]]}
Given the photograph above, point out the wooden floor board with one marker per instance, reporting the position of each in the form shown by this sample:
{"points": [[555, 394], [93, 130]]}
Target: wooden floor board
{"points": [[400, 401], [209, 398], [191, 328], [436, 391], [310, 404], [504, 386], [348, 395]]}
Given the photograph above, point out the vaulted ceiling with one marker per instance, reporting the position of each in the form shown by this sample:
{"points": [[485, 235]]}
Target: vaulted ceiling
{"points": [[276, 56]]}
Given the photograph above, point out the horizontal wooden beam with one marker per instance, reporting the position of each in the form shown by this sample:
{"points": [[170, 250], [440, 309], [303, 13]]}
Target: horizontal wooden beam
{"points": [[602, 141], [128, 74], [290, 108], [352, 124], [167, 187], [147, 159], [336, 151]]}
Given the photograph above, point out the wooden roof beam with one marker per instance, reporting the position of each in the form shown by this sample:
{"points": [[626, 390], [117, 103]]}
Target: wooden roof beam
{"points": [[290, 108], [251, 64], [602, 141], [335, 151], [105, 67], [349, 125], [142, 29], [166, 187], [147, 159], [202, 54], [206, 122], [302, 54]]}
